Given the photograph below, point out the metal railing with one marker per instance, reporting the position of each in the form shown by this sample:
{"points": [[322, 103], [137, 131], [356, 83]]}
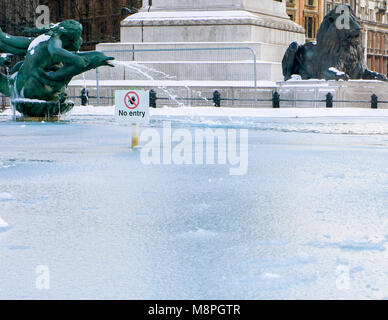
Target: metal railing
{"points": [[329, 100], [4, 102], [192, 55], [216, 100]]}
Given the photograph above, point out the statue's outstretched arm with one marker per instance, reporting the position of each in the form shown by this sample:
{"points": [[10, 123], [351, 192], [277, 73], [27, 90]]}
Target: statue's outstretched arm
{"points": [[92, 60], [9, 49], [15, 41], [73, 64], [56, 50], [34, 31]]}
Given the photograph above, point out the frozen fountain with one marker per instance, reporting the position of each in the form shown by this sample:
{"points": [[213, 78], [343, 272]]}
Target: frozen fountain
{"points": [[262, 27]]}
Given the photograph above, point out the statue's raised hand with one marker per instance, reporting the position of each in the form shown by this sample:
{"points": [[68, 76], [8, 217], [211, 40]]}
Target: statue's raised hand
{"points": [[3, 35], [95, 59], [5, 60]]}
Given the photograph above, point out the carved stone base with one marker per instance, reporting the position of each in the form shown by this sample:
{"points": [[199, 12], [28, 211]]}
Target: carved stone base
{"points": [[38, 119], [210, 26]]}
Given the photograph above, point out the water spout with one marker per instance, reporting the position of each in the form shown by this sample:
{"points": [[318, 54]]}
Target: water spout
{"points": [[147, 73]]}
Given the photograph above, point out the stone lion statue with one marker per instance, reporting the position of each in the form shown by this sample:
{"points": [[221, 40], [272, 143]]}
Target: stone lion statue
{"points": [[336, 55]]}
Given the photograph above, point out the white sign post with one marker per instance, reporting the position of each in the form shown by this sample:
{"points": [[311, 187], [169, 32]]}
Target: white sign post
{"points": [[133, 107]]}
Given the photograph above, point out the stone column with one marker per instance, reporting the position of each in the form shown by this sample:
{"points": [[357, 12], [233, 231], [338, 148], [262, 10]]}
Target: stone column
{"points": [[321, 10], [301, 12]]}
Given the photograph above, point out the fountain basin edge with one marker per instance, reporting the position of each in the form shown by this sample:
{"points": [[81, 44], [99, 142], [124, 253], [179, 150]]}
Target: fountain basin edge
{"points": [[39, 110]]}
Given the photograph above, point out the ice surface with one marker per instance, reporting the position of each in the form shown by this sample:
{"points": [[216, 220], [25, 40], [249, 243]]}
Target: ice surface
{"points": [[244, 114], [74, 197], [5, 196], [3, 224], [354, 245]]}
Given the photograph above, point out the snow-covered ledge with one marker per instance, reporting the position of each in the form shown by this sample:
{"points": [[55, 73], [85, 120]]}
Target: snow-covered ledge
{"points": [[270, 7]]}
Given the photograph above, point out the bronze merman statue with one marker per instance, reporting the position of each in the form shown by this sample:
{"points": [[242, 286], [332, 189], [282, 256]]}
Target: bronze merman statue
{"points": [[37, 85]]}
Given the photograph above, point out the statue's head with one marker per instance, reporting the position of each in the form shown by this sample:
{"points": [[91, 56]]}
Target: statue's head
{"points": [[340, 26], [70, 32]]}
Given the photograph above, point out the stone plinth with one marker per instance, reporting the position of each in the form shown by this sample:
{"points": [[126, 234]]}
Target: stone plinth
{"points": [[261, 25], [303, 90], [353, 90]]}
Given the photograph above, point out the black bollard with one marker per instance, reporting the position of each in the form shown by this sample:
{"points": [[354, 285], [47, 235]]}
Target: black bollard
{"points": [[84, 97], [329, 100], [217, 99], [276, 100], [153, 98], [374, 102]]}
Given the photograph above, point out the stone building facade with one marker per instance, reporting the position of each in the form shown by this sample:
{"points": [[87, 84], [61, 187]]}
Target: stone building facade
{"points": [[373, 15], [15, 14], [307, 13], [101, 18]]}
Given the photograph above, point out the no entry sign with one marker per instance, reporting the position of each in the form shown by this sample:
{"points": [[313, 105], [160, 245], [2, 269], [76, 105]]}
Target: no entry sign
{"points": [[132, 106], [132, 100]]}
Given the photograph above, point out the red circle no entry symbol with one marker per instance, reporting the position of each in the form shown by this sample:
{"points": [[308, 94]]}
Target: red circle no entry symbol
{"points": [[132, 100]]}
